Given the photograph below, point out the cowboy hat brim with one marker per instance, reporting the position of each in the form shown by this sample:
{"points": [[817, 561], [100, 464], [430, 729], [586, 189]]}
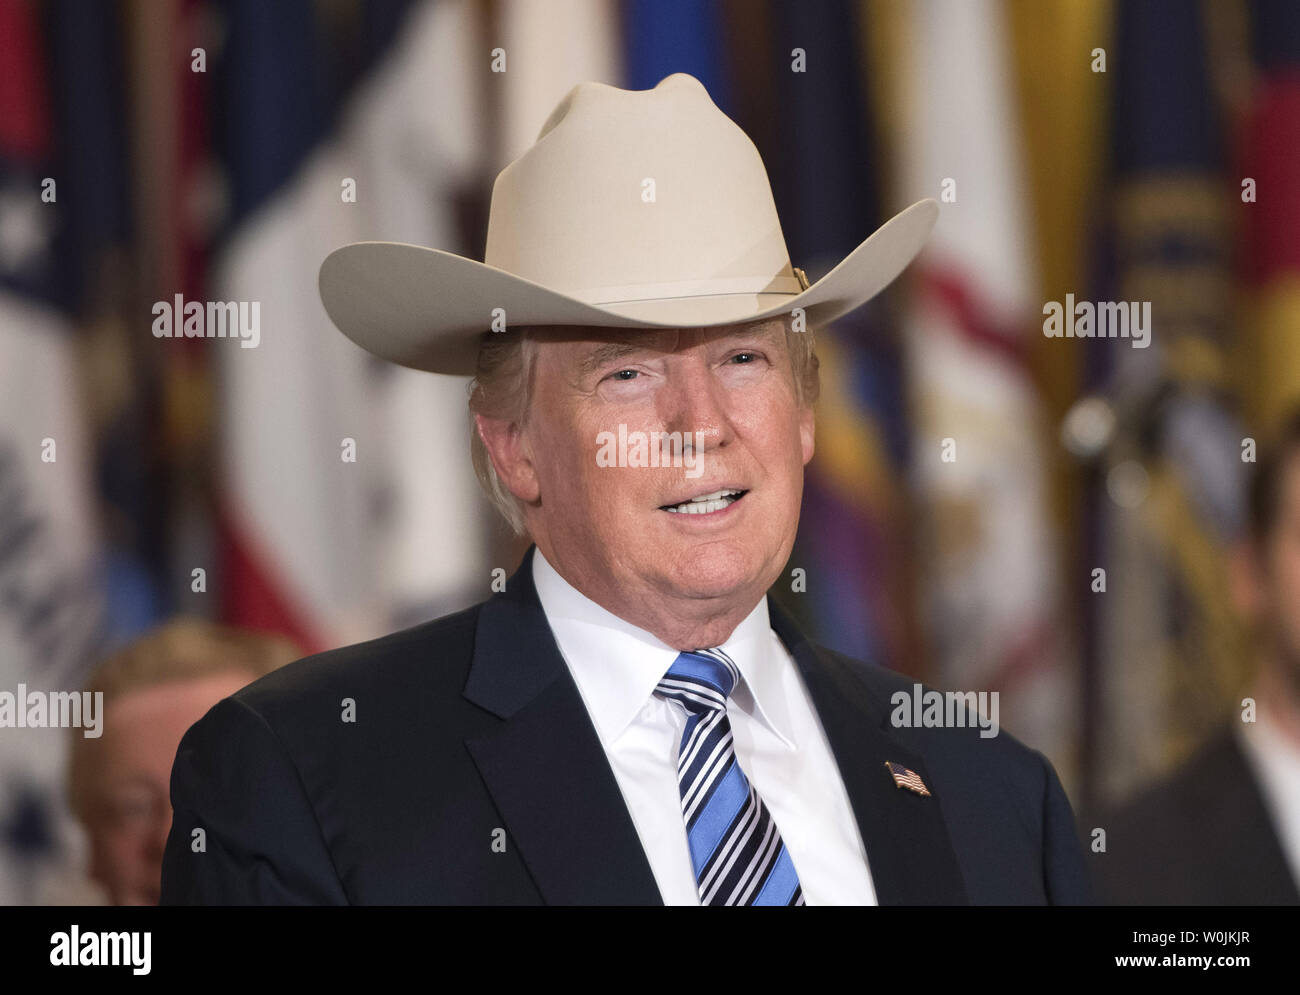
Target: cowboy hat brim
{"points": [[428, 309]]}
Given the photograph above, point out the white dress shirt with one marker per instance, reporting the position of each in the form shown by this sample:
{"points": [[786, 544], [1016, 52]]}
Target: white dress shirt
{"points": [[1275, 759], [779, 743]]}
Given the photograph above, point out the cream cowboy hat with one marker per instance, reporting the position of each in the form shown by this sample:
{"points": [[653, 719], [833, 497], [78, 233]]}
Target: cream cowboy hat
{"points": [[634, 209]]}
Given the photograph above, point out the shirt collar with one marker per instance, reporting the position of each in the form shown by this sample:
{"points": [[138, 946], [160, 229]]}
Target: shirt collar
{"points": [[1275, 754], [617, 665]]}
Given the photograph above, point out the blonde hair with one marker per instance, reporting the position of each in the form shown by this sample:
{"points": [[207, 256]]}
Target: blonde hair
{"points": [[179, 650], [503, 387]]}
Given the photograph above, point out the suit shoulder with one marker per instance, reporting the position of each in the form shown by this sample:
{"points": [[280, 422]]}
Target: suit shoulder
{"points": [[962, 737], [439, 648], [1201, 835], [1184, 789], [1008, 818]]}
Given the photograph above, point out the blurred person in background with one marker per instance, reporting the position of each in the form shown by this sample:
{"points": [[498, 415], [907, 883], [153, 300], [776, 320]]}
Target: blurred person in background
{"points": [[154, 689], [1224, 828]]}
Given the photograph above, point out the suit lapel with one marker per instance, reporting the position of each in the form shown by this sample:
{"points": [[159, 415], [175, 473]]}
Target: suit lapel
{"points": [[544, 765], [908, 849]]}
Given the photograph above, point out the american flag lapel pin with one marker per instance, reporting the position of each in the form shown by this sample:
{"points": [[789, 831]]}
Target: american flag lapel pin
{"points": [[905, 778]]}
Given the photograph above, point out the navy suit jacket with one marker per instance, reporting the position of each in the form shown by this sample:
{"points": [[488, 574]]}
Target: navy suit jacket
{"points": [[473, 774], [1201, 836]]}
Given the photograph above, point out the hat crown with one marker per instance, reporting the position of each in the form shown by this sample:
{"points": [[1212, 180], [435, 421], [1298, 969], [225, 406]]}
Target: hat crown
{"points": [[634, 195]]}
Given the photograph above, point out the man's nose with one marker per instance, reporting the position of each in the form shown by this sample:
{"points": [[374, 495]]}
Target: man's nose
{"points": [[696, 402]]}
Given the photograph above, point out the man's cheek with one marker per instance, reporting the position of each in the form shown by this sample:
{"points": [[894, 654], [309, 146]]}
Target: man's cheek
{"points": [[602, 492]]}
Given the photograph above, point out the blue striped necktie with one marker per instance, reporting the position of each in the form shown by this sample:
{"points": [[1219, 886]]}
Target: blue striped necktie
{"points": [[736, 849]]}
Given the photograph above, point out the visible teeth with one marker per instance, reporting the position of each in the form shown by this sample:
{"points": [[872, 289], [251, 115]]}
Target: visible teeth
{"points": [[715, 495], [706, 503]]}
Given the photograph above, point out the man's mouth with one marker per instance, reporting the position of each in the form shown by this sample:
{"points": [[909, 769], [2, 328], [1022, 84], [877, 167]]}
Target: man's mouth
{"points": [[706, 504]]}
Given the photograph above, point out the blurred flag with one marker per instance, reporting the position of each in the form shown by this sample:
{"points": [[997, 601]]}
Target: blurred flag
{"points": [[50, 598], [544, 50], [662, 37], [1270, 220], [1063, 107], [1165, 651], [1063, 101], [347, 484], [814, 132], [421, 166], [988, 553]]}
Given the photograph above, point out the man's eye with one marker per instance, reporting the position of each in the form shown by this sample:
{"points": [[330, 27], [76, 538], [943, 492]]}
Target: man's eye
{"points": [[624, 375], [744, 357]]}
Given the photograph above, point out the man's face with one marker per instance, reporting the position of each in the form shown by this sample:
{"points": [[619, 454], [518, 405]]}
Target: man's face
{"points": [[131, 803], [627, 532]]}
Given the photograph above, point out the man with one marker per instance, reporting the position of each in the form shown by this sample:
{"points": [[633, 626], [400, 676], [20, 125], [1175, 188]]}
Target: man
{"points": [[1224, 828], [630, 721], [154, 689]]}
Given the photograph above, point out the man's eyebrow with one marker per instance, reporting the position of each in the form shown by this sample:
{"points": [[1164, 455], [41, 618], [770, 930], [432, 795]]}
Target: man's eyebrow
{"points": [[607, 353], [611, 351]]}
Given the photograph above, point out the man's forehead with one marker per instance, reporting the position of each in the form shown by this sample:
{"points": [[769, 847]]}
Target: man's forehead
{"points": [[601, 341]]}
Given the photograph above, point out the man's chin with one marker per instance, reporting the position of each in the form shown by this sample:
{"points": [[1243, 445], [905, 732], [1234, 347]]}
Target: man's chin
{"points": [[716, 571]]}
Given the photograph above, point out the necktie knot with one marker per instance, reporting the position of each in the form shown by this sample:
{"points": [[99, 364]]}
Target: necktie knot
{"points": [[737, 852], [702, 680]]}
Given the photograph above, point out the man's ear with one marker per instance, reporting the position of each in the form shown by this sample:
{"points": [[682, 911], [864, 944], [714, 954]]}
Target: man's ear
{"points": [[510, 455], [807, 431]]}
